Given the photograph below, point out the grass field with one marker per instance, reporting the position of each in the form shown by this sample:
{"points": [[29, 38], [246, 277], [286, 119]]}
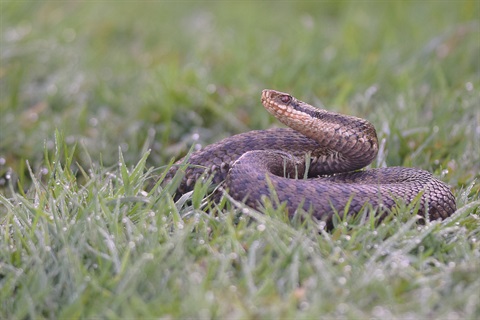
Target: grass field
{"points": [[98, 97]]}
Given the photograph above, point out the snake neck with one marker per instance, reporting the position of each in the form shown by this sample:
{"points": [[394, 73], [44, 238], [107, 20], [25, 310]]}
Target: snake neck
{"points": [[348, 136]]}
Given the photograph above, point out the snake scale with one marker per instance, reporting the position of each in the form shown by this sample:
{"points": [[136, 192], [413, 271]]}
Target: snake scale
{"points": [[331, 147]]}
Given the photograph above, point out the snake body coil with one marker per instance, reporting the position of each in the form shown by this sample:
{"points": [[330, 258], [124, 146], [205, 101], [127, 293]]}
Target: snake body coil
{"points": [[335, 146]]}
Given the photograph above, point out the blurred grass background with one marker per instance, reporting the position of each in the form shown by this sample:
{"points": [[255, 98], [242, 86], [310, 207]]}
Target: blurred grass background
{"points": [[163, 75]]}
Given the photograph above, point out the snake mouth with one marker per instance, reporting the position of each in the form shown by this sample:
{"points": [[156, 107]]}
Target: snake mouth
{"points": [[266, 94], [266, 99]]}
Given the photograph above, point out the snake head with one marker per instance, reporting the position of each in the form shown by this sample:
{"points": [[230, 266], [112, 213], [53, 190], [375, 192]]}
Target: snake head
{"points": [[282, 104], [278, 103], [273, 96], [290, 111]]}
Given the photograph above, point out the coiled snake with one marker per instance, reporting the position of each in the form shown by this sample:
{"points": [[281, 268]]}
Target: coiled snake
{"points": [[331, 147]]}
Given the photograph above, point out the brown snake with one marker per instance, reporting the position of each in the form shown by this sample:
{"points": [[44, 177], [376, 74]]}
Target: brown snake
{"points": [[336, 146]]}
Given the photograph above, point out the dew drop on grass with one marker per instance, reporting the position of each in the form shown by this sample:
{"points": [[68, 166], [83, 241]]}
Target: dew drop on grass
{"points": [[304, 305], [51, 90], [379, 274], [370, 92], [131, 245], [343, 308], [209, 296], [321, 225], [381, 312], [261, 227], [70, 139], [342, 280], [69, 34], [211, 88], [329, 53], [18, 33], [148, 256]]}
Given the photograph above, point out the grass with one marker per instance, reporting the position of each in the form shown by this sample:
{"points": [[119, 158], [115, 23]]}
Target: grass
{"points": [[97, 98]]}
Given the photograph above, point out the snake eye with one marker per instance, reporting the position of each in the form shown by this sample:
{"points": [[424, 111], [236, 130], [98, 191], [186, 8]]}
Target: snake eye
{"points": [[285, 98]]}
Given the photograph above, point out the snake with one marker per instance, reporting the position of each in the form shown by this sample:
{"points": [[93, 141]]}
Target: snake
{"points": [[316, 165]]}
